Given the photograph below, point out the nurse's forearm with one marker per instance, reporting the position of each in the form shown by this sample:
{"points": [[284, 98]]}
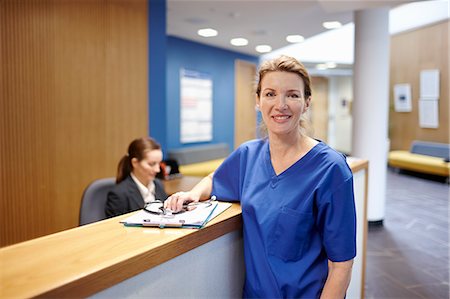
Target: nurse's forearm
{"points": [[338, 279], [204, 188]]}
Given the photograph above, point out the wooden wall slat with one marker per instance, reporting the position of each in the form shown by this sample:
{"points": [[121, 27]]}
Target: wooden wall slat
{"points": [[244, 102], [318, 111], [74, 93], [411, 52]]}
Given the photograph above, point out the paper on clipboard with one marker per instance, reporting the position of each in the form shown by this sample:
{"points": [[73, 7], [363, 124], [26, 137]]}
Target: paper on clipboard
{"points": [[196, 218]]}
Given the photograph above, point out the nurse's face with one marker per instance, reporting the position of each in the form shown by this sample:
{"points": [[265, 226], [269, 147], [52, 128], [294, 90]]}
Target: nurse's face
{"points": [[282, 102], [146, 169]]}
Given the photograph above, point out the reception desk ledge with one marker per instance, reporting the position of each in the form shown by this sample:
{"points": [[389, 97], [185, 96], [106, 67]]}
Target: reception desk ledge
{"points": [[101, 256], [84, 260]]}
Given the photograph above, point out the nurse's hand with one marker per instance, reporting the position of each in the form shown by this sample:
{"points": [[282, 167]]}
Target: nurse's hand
{"points": [[175, 201]]}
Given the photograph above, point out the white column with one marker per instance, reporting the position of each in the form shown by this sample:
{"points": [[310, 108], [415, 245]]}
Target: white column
{"points": [[371, 102]]}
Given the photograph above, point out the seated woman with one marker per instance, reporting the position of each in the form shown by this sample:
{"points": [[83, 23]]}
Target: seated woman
{"points": [[136, 184]]}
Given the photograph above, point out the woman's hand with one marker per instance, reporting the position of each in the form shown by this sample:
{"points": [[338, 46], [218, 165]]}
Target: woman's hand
{"points": [[176, 201], [201, 191]]}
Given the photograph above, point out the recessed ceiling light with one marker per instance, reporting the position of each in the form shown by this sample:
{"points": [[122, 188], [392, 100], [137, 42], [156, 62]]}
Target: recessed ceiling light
{"points": [[332, 25], [239, 42], [331, 65], [295, 38], [207, 32], [263, 48], [321, 66]]}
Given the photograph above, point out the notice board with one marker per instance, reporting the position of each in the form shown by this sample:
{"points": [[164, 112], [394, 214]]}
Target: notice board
{"points": [[196, 90]]}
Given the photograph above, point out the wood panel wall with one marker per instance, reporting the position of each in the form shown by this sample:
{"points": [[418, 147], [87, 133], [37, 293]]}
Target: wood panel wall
{"points": [[244, 103], [319, 108], [411, 52], [74, 93]]}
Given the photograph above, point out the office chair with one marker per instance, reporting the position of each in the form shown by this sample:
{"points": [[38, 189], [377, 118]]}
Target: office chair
{"points": [[94, 200]]}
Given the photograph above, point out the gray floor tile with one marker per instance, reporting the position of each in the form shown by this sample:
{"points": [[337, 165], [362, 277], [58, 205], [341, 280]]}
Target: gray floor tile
{"points": [[432, 291], [408, 257]]}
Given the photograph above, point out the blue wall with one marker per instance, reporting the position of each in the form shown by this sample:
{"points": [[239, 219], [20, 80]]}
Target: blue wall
{"points": [[219, 65], [157, 40]]}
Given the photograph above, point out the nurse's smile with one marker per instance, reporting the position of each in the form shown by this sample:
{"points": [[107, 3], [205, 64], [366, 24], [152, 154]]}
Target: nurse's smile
{"points": [[281, 118]]}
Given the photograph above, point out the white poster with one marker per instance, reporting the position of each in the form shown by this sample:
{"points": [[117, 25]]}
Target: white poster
{"points": [[429, 84], [195, 106], [402, 97], [429, 113]]}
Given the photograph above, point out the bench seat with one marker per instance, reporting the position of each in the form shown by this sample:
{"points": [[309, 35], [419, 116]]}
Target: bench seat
{"points": [[201, 168], [200, 160], [419, 163]]}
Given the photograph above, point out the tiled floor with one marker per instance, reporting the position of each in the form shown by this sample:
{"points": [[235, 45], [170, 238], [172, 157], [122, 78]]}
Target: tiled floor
{"points": [[408, 257]]}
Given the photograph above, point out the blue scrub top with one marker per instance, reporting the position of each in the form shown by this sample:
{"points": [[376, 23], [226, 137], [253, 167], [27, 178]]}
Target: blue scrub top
{"points": [[293, 222]]}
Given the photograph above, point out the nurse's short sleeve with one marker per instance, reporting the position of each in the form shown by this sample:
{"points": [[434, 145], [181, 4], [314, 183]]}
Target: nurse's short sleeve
{"points": [[226, 180], [337, 222]]}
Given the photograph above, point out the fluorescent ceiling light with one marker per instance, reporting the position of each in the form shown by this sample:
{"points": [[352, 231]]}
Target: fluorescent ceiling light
{"points": [[239, 42], [207, 32], [332, 25], [331, 45], [263, 48], [338, 45], [417, 14], [295, 38]]}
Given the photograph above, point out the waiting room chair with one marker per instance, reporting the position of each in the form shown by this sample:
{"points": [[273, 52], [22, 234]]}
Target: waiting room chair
{"points": [[94, 200]]}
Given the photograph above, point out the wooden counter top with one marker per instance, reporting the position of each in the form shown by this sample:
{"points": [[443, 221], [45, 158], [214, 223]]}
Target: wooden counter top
{"points": [[87, 259], [184, 183], [84, 260], [356, 164]]}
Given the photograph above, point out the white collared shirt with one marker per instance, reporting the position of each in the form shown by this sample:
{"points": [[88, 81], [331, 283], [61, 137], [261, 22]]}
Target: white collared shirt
{"points": [[148, 193]]}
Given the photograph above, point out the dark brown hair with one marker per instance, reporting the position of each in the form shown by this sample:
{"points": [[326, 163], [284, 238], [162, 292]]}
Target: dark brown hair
{"points": [[137, 149]]}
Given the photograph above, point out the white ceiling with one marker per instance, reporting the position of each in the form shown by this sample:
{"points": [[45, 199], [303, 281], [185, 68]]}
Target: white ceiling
{"points": [[260, 21], [338, 45]]}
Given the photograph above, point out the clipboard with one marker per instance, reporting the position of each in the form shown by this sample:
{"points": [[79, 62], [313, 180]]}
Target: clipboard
{"points": [[196, 218]]}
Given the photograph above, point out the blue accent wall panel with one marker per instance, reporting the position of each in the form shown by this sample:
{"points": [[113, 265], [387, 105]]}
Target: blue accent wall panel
{"points": [[157, 70], [217, 63]]}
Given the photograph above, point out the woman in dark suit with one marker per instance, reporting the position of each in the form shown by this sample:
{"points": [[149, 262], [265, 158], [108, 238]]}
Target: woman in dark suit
{"points": [[136, 184]]}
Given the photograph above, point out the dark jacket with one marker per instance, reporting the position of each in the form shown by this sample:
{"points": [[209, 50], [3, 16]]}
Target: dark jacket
{"points": [[125, 197]]}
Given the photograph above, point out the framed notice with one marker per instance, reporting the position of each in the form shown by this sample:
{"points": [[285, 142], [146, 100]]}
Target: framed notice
{"points": [[196, 91], [429, 99], [402, 97], [429, 84], [429, 113]]}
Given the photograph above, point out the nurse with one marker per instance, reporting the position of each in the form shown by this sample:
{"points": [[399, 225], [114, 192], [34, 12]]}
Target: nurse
{"points": [[296, 195]]}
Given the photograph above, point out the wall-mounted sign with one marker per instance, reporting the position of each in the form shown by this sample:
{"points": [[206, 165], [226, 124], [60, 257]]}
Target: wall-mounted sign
{"points": [[429, 99], [402, 97], [429, 84], [195, 106], [429, 113]]}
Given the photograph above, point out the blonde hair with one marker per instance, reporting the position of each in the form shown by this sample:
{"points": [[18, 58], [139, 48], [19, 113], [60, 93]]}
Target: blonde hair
{"points": [[291, 65]]}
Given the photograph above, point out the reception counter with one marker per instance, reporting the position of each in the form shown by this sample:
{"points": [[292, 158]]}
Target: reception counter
{"points": [[106, 259]]}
